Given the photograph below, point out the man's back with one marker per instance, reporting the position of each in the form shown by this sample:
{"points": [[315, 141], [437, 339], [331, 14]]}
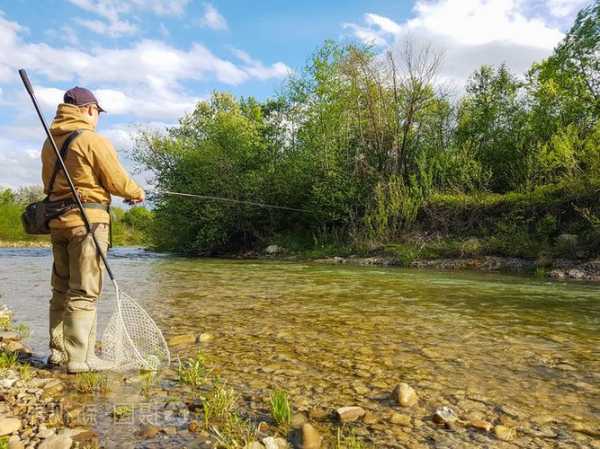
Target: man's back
{"points": [[92, 163]]}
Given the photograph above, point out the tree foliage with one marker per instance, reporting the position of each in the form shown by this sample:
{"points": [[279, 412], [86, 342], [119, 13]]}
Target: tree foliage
{"points": [[363, 139]]}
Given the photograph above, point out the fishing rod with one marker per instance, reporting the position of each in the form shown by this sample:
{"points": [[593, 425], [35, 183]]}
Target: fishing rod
{"points": [[230, 200]]}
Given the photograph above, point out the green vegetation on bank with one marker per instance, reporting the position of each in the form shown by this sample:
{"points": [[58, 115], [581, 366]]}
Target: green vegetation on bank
{"points": [[130, 227], [379, 152]]}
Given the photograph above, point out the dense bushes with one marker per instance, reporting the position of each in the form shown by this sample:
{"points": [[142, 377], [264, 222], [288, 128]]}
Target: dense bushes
{"points": [[374, 148]]}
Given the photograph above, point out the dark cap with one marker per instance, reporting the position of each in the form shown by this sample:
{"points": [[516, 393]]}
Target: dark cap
{"points": [[80, 96]]}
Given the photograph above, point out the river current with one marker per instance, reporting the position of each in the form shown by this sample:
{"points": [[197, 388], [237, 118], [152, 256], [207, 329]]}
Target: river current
{"points": [[486, 345]]}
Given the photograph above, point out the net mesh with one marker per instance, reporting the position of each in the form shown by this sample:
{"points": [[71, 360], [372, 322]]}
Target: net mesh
{"points": [[131, 338]]}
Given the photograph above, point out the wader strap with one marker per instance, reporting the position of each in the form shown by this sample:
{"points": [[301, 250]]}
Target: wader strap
{"points": [[63, 153]]}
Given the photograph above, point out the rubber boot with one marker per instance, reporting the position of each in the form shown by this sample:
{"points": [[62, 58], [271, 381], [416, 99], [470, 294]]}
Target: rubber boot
{"points": [[58, 355], [80, 340]]}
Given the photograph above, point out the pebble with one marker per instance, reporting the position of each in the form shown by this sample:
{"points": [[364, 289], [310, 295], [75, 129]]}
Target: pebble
{"points": [[9, 336], [405, 395], [481, 424], [349, 414], [9, 425], [311, 439], [181, 340], [403, 420], [444, 415], [205, 337], [148, 431], [275, 443], [504, 433]]}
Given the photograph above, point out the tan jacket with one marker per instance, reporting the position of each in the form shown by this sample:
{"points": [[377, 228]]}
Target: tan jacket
{"points": [[93, 165]]}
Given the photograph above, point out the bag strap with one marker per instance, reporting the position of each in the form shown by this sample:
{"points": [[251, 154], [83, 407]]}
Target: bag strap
{"points": [[63, 153]]}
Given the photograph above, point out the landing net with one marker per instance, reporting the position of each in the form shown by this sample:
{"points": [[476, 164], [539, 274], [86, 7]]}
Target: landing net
{"points": [[131, 338]]}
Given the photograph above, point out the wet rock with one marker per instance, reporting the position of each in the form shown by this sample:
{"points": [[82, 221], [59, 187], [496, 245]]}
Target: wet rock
{"points": [[9, 425], [574, 273], [298, 420], [205, 337], [349, 414], [53, 387], [445, 416], [181, 340], [148, 431], [9, 336], [405, 395], [481, 424], [57, 442], [273, 250], [15, 442], [18, 347], [7, 383], [403, 420], [504, 433], [311, 439], [275, 443]]}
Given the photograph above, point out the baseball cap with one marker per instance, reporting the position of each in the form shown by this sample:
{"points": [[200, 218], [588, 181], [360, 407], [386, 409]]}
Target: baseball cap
{"points": [[80, 96]]}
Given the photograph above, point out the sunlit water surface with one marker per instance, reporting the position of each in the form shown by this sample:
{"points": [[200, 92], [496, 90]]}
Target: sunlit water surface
{"points": [[340, 335]]}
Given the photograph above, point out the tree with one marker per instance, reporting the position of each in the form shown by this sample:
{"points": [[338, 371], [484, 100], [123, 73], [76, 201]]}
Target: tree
{"points": [[492, 124]]}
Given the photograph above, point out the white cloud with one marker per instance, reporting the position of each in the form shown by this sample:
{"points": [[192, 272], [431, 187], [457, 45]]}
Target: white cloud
{"points": [[469, 32], [565, 8], [112, 12], [257, 69], [212, 18]]}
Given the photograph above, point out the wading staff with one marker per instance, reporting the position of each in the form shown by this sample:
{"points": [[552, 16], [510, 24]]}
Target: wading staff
{"points": [[27, 84]]}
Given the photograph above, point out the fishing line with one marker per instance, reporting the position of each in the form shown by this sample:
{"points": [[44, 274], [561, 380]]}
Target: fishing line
{"points": [[229, 200]]}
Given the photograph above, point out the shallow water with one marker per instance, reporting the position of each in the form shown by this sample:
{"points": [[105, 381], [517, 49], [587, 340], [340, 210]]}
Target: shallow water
{"points": [[484, 344]]}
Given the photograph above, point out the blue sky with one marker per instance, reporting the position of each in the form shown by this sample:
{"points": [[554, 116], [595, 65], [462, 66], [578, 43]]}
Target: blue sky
{"points": [[150, 61]]}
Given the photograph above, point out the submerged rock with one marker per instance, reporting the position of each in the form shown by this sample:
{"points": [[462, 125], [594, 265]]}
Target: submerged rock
{"points": [[405, 395], [181, 340], [504, 433], [349, 414], [481, 424], [403, 420]]}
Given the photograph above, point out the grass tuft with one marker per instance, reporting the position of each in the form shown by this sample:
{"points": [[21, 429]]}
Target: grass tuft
{"points": [[349, 441], [91, 383], [8, 360], [192, 371], [281, 410]]}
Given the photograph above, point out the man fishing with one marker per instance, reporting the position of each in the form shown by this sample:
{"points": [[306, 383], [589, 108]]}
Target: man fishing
{"points": [[97, 174]]}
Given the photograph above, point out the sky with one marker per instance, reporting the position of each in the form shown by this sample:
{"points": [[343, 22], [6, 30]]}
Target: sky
{"points": [[150, 61]]}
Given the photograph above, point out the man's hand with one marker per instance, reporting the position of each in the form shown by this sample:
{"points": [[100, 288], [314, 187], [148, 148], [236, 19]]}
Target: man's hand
{"points": [[140, 199]]}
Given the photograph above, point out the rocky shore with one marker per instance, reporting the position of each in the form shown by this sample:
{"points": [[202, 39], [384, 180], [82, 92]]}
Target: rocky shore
{"points": [[561, 269], [189, 406]]}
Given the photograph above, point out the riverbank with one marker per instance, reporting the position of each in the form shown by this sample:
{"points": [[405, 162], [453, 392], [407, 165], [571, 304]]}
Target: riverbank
{"points": [[448, 256]]}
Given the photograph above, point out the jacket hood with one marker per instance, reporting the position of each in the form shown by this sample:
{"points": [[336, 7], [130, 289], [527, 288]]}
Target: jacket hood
{"points": [[68, 119]]}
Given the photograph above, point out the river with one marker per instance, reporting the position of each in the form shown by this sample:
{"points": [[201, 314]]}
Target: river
{"points": [[515, 350]]}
